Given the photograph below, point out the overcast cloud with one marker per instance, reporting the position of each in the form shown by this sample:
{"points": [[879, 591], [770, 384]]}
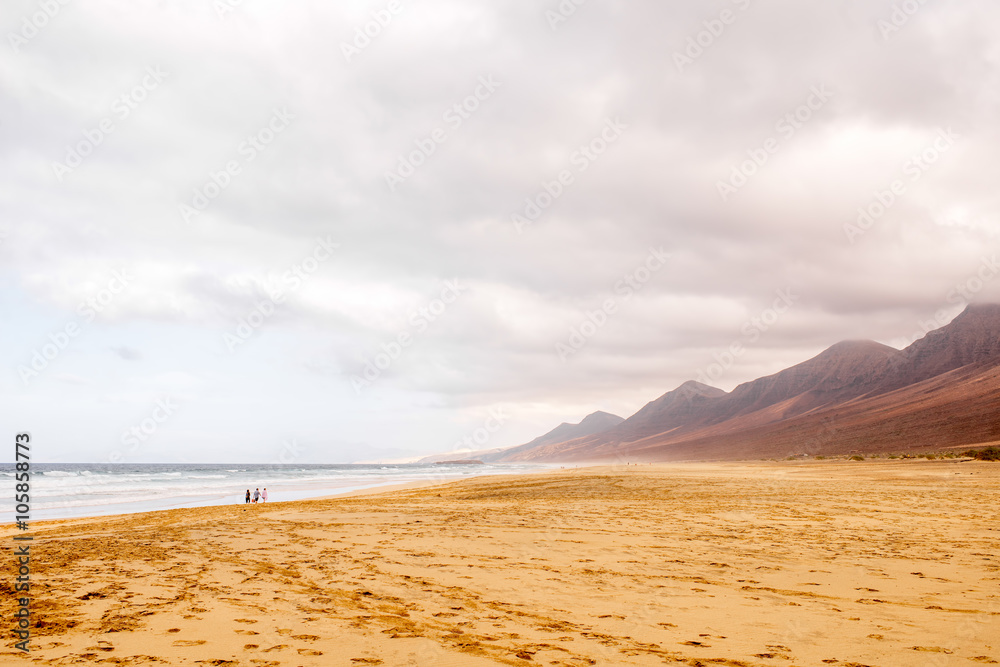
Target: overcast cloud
{"points": [[237, 207]]}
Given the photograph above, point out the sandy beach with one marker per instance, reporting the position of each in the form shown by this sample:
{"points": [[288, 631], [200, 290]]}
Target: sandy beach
{"points": [[791, 563]]}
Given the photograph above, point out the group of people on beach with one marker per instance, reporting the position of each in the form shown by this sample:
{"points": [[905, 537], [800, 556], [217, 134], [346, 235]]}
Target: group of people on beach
{"points": [[257, 495]]}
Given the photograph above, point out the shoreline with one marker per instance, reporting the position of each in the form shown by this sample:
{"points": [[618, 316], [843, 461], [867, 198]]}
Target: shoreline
{"points": [[724, 563], [802, 465], [289, 490]]}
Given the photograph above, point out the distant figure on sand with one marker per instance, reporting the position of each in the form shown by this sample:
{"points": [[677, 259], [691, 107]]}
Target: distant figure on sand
{"points": [[263, 495], [256, 494], [248, 495]]}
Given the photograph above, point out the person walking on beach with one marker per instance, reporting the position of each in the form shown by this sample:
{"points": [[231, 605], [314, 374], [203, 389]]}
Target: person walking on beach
{"points": [[256, 494], [263, 495], [248, 495]]}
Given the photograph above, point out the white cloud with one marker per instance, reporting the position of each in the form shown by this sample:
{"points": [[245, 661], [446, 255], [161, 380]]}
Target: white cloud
{"points": [[325, 176]]}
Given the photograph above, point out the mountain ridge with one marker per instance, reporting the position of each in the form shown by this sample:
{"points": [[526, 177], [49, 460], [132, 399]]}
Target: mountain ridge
{"points": [[595, 422], [852, 376]]}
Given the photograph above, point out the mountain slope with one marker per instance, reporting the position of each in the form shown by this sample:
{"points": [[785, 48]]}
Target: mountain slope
{"points": [[972, 337], [951, 410], [843, 371], [846, 370], [595, 422], [849, 383], [680, 407]]}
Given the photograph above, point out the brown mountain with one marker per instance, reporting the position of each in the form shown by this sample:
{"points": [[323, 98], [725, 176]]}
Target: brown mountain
{"points": [[856, 395], [688, 405], [972, 337], [595, 422], [844, 371]]}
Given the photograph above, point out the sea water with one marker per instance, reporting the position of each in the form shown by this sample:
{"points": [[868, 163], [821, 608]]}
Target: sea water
{"points": [[61, 491]]}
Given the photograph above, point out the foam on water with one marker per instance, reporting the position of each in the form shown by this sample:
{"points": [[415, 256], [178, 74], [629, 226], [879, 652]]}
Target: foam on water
{"points": [[61, 491]]}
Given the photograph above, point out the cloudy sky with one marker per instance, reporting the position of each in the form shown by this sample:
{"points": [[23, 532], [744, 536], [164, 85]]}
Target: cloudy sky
{"points": [[330, 232]]}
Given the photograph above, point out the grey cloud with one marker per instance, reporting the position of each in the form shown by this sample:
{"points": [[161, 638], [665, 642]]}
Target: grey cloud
{"points": [[655, 186]]}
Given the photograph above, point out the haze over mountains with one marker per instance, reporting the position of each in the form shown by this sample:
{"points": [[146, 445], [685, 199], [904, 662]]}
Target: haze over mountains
{"points": [[857, 396], [596, 422]]}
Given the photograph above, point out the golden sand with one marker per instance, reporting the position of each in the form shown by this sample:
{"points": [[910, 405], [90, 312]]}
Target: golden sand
{"points": [[836, 563]]}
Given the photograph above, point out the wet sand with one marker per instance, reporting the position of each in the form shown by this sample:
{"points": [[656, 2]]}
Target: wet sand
{"points": [[790, 563]]}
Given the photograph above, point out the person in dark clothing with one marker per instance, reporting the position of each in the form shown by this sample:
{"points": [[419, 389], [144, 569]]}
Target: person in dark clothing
{"points": [[248, 496]]}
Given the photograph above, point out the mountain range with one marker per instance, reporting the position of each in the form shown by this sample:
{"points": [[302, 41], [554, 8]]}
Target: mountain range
{"points": [[943, 391], [595, 422]]}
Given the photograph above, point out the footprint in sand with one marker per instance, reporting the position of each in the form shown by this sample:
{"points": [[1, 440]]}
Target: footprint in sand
{"points": [[101, 647], [189, 642], [309, 651]]}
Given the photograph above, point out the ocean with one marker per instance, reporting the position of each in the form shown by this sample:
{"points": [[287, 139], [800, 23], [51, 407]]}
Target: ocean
{"points": [[62, 491]]}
